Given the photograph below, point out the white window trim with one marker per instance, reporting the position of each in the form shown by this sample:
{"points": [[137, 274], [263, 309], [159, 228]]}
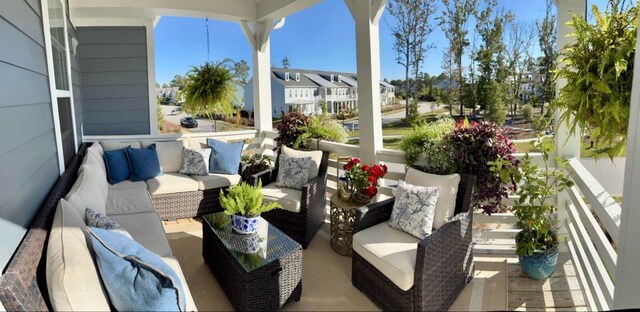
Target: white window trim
{"points": [[55, 93]]}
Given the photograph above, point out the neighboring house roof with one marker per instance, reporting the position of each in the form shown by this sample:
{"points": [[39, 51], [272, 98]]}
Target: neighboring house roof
{"points": [[350, 81], [320, 81], [388, 85], [304, 81]]}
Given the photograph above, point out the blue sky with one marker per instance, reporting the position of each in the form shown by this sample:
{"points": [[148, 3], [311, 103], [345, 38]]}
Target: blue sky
{"points": [[320, 37]]}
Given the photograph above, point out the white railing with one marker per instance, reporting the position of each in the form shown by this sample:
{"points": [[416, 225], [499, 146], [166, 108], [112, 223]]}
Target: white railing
{"points": [[593, 214]]}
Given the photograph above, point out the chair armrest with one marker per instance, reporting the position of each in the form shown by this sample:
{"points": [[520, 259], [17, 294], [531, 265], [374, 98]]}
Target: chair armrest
{"points": [[373, 214], [444, 261], [314, 192], [267, 177]]}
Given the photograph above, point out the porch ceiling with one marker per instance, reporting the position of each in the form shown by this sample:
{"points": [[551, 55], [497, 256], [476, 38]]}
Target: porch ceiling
{"points": [[84, 11]]}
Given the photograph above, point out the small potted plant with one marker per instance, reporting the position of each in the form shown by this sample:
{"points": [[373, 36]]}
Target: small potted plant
{"points": [[362, 180], [244, 203], [537, 242]]}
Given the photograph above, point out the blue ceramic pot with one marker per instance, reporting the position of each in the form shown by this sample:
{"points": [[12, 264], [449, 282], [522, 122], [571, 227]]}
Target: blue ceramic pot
{"points": [[541, 264], [244, 225]]}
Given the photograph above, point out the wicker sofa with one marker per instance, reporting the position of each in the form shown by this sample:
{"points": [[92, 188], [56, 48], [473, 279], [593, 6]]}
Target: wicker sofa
{"points": [[48, 254], [443, 260], [176, 195], [304, 210]]}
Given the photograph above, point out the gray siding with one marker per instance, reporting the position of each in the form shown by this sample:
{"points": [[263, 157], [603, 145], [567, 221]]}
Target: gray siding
{"points": [[28, 156], [113, 70]]}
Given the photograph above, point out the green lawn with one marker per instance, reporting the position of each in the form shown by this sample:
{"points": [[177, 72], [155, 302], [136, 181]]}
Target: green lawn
{"points": [[585, 151]]}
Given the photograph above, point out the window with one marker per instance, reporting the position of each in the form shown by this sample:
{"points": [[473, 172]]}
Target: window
{"points": [[286, 76], [290, 93], [296, 93], [58, 46]]}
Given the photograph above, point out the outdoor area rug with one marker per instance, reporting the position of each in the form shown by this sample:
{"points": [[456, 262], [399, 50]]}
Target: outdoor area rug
{"points": [[326, 281]]}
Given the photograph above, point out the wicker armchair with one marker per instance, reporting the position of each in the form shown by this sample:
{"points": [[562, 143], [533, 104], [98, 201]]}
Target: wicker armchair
{"points": [[304, 225], [444, 260]]}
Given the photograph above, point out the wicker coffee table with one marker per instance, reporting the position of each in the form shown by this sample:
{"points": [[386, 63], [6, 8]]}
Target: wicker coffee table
{"points": [[258, 272]]}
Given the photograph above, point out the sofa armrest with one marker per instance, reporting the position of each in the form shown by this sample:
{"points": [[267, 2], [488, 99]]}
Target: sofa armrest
{"points": [[444, 261], [268, 176], [373, 214], [314, 192]]}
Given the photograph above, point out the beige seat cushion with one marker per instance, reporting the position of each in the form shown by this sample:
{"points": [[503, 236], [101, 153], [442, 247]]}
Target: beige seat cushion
{"points": [[113, 145], [288, 198], [169, 154], [390, 251], [86, 193], [128, 200], [216, 180], [128, 184], [316, 158], [448, 184], [173, 263], [171, 183], [197, 143], [146, 229], [73, 281]]}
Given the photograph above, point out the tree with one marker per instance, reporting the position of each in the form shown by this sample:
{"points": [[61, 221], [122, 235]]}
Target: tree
{"points": [[209, 90], [411, 32], [521, 36], [285, 62], [490, 55], [240, 70], [454, 24], [496, 111], [178, 81], [547, 62]]}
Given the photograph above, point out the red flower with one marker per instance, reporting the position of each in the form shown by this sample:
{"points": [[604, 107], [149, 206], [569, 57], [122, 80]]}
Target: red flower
{"points": [[365, 168], [377, 171], [347, 167], [354, 160], [473, 124], [384, 167], [372, 179], [371, 191]]}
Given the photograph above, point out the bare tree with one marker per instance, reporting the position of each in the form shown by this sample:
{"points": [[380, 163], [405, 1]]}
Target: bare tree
{"points": [[455, 20], [520, 41], [414, 24], [547, 62]]}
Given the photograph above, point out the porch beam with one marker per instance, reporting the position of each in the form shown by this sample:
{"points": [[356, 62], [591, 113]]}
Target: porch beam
{"points": [[627, 282], [258, 35], [567, 144], [366, 15], [277, 9]]}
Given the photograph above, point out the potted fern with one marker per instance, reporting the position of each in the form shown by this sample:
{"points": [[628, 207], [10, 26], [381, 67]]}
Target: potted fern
{"points": [[244, 203], [537, 242]]}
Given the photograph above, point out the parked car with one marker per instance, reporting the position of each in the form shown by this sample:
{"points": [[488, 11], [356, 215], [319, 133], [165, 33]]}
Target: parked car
{"points": [[188, 122], [174, 112]]}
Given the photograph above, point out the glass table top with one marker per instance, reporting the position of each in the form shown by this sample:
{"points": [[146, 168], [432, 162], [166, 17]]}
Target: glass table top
{"points": [[252, 251]]}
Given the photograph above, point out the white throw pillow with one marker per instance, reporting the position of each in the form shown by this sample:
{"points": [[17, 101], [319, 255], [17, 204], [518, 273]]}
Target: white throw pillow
{"points": [[169, 154], [316, 158], [114, 146], [195, 162], [414, 209], [72, 278], [448, 184], [293, 172]]}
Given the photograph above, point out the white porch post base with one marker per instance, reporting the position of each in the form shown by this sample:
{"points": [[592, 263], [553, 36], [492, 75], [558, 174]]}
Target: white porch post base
{"points": [[366, 14]]}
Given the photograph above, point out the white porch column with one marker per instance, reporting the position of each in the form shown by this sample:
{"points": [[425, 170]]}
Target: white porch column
{"points": [[627, 275], [567, 145], [257, 33], [366, 14]]}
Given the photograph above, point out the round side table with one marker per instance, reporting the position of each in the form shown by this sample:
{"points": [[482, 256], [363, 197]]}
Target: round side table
{"points": [[343, 214]]}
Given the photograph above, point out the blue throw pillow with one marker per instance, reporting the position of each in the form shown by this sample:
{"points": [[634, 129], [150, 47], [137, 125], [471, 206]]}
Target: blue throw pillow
{"points": [[225, 157], [144, 163], [135, 278], [117, 166]]}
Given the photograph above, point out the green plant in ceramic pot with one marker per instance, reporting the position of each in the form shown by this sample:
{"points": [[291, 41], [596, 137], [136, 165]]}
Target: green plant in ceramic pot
{"points": [[537, 242], [244, 203]]}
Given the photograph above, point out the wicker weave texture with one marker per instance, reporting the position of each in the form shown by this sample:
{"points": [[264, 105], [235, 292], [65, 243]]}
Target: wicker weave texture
{"points": [[23, 285], [175, 206]]}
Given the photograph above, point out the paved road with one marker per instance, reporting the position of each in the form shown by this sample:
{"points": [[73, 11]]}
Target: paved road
{"points": [[204, 125], [423, 107]]}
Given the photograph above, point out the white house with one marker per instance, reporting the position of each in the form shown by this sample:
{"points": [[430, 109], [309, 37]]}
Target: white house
{"points": [[303, 90]]}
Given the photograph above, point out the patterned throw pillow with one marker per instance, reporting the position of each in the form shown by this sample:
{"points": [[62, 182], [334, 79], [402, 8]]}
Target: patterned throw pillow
{"points": [[293, 172], [195, 162], [414, 209], [99, 220]]}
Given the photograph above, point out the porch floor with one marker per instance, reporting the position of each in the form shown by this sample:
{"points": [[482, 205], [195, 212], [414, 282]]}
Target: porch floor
{"points": [[499, 283]]}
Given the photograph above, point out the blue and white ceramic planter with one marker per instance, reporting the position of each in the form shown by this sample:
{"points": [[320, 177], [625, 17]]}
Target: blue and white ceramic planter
{"points": [[541, 264], [244, 225]]}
